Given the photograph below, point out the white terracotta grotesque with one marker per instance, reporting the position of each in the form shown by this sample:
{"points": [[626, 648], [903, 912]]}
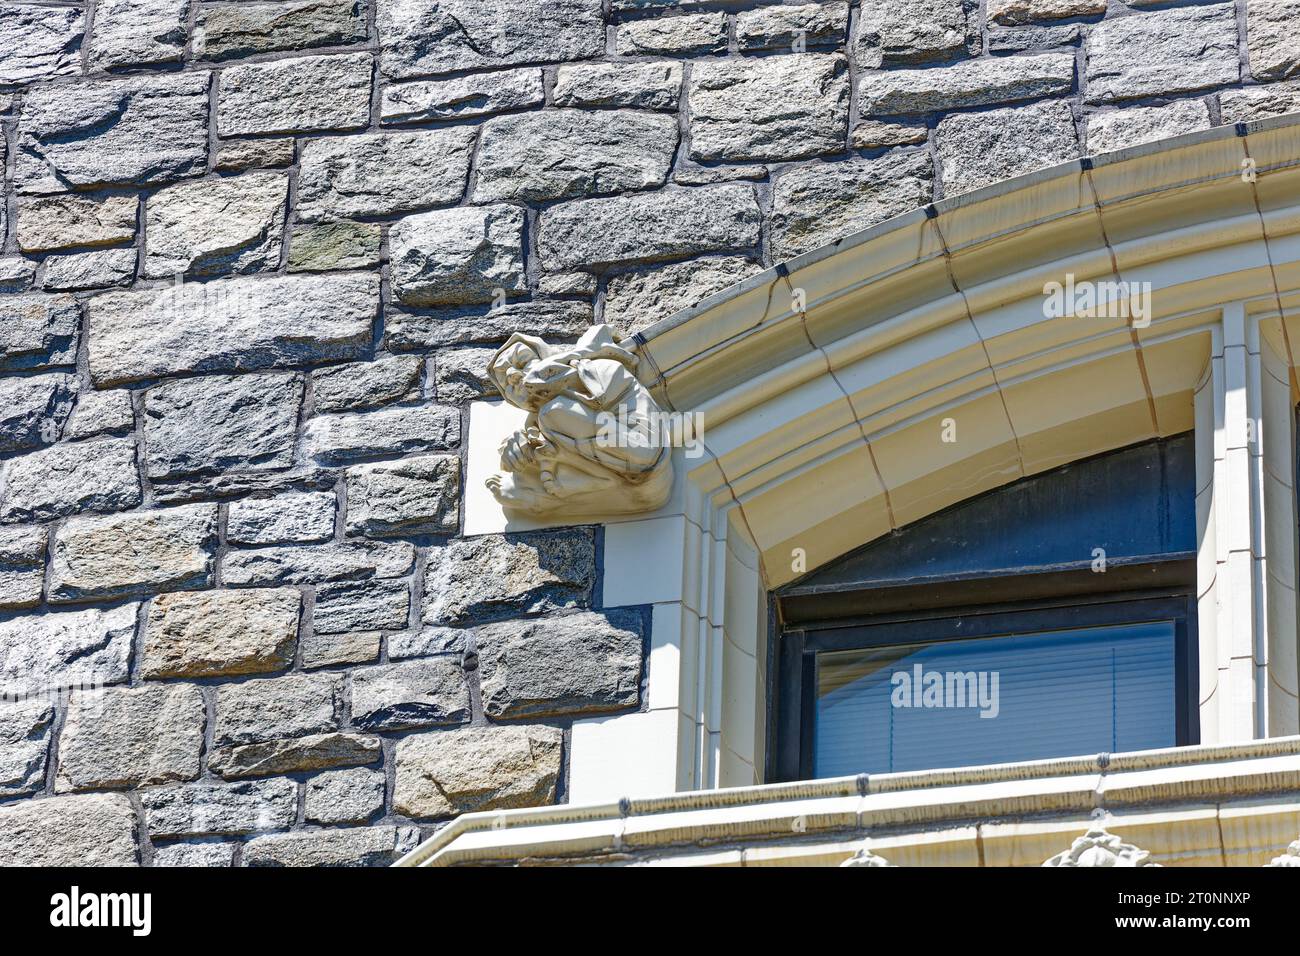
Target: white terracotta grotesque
{"points": [[1100, 848], [593, 442], [864, 857], [1291, 858]]}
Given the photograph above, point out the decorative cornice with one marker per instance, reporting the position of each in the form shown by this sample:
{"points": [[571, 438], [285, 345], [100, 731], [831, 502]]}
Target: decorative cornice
{"points": [[904, 806]]}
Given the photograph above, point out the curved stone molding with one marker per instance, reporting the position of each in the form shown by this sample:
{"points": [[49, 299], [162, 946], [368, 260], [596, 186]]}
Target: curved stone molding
{"points": [[1290, 858], [864, 857], [1097, 847], [593, 442]]}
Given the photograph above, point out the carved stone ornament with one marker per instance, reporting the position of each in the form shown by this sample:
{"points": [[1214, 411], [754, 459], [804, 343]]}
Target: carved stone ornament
{"points": [[593, 442], [1099, 848], [1290, 858], [864, 857]]}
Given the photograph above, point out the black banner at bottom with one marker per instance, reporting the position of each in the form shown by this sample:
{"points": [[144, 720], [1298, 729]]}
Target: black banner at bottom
{"points": [[258, 906]]}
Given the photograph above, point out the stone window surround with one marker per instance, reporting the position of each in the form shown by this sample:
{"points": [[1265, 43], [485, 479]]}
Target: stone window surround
{"points": [[823, 382]]}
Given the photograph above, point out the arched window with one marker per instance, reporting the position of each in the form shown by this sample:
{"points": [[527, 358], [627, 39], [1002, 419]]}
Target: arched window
{"points": [[1052, 617]]}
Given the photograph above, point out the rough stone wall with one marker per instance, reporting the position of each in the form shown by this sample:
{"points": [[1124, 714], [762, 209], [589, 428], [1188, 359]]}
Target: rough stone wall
{"points": [[255, 257]]}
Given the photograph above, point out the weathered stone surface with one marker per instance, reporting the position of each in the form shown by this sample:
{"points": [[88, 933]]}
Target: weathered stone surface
{"points": [[971, 83], [789, 27], [326, 246], [366, 384], [976, 149], [405, 330], [1272, 38], [443, 36], [411, 496], [238, 484], [138, 32], [1259, 102], [224, 31], [428, 641], [650, 86], [558, 154], [38, 330], [500, 575], [230, 325], [915, 31], [221, 422], [343, 438], [654, 226], [238, 155], [688, 174], [134, 131], [298, 755], [458, 256], [1033, 38], [344, 796], [419, 693], [140, 552], [816, 205], [304, 94], [358, 846], [130, 737], [221, 633], [382, 174], [25, 731], [1186, 49], [460, 374], [100, 269], [361, 606], [637, 300], [582, 663], [48, 223], [217, 226], [33, 410], [226, 809], [70, 478], [327, 650], [16, 275], [22, 566], [769, 108], [479, 94], [100, 413], [194, 854], [94, 830], [329, 562], [276, 708], [37, 43], [1016, 12], [1143, 124], [693, 33], [295, 517], [479, 768], [68, 649], [874, 134]]}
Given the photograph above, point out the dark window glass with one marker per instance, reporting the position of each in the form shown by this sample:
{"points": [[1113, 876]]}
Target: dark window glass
{"points": [[1064, 603], [993, 700]]}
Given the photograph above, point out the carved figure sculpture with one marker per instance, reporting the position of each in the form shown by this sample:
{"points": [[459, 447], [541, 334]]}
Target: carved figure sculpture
{"points": [[1290, 858], [593, 442], [864, 857], [1100, 848]]}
